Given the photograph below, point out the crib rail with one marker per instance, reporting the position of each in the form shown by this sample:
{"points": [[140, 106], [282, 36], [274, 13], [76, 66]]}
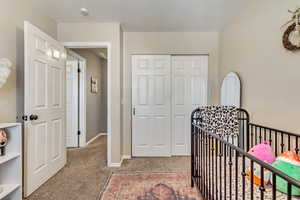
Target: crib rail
{"points": [[280, 141], [218, 165]]}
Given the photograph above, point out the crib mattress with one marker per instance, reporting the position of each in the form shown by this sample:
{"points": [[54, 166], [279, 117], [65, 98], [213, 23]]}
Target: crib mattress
{"points": [[268, 188]]}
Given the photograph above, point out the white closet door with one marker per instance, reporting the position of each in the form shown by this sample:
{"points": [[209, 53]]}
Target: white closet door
{"points": [[72, 103], [151, 103], [189, 91]]}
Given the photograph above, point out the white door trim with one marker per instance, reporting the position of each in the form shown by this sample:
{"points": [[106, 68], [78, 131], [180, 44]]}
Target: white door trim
{"points": [[107, 45], [82, 100]]}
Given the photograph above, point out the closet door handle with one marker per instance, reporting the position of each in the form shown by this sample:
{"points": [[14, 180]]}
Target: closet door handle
{"points": [[133, 111]]}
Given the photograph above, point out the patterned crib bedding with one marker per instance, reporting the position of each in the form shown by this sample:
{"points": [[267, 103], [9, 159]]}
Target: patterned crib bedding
{"points": [[256, 191]]}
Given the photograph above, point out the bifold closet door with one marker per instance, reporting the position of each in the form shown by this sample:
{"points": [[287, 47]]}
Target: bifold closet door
{"points": [[189, 91], [151, 104]]}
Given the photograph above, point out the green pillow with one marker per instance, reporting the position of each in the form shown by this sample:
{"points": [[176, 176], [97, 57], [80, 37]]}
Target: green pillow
{"points": [[291, 170]]}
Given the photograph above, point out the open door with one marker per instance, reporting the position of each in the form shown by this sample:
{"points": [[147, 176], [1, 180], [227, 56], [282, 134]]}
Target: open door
{"points": [[45, 108], [72, 103]]}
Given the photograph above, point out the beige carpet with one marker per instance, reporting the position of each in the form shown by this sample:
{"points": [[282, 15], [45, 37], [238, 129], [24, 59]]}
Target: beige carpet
{"points": [[86, 173]]}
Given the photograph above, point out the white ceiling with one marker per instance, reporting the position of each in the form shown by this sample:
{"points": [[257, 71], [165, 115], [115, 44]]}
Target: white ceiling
{"points": [[147, 15]]}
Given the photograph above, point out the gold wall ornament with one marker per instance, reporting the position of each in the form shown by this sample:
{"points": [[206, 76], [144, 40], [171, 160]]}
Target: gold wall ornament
{"points": [[291, 36]]}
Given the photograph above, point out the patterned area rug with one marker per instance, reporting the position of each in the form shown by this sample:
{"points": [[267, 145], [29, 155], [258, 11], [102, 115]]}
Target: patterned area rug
{"points": [[150, 186]]}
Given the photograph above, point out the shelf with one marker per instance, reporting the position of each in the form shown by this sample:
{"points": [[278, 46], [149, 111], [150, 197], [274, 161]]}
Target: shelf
{"points": [[11, 163], [8, 157], [9, 188], [8, 125]]}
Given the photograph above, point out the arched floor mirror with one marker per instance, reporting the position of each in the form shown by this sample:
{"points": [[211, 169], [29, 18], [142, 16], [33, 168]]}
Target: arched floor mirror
{"points": [[231, 90], [231, 96]]}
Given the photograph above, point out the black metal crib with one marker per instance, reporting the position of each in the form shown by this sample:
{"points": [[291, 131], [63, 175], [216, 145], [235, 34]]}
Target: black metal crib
{"points": [[218, 165]]}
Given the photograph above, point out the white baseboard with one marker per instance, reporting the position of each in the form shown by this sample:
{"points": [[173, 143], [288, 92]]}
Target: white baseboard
{"points": [[124, 157], [94, 138], [115, 164]]}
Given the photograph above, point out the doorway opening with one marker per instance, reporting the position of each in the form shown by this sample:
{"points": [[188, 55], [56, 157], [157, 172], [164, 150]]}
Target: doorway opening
{"points": [[86, 93], [88, 65]]}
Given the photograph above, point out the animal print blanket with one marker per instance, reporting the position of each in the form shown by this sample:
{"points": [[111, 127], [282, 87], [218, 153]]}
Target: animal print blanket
{"points": [[221, 120]]}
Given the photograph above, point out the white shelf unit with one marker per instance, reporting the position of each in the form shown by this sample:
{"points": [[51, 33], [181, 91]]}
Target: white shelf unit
{"points": [[11, 163]]}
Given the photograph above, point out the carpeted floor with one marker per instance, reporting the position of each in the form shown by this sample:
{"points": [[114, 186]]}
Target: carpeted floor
{"points": [[86, 173]]}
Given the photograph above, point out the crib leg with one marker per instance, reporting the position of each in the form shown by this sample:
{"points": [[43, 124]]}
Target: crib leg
{"points": [[192, 182]]}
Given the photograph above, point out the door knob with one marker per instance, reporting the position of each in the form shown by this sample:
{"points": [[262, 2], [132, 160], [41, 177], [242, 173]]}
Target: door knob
{"points": [[24, 118], [33, 117]]}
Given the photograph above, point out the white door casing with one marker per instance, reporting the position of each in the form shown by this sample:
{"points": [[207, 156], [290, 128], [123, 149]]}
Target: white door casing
{"points": [[231, 90], [151, 116], [45, 139], [189, 91], [82, 102], [72, 99]]}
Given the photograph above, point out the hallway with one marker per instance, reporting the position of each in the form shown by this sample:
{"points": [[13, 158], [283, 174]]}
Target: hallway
{"points": [[86, 173]]}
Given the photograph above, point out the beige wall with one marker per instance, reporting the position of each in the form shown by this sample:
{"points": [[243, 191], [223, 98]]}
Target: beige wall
{"points": [[102, 32], [166, 43], [96, 107], [12, 16], [251, 46]]}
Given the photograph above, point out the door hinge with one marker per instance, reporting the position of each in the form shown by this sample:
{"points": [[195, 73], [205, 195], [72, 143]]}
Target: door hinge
{"points": [[79, 132], [79, 70]]}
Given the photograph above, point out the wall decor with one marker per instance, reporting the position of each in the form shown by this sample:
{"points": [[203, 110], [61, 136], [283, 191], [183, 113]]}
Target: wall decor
{"points": [[3, 142], [94, 85], [5, 69], [291, 36]]}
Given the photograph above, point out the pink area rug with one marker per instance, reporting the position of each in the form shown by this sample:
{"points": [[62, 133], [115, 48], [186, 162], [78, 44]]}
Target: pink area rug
{"points": [[150, 186]]}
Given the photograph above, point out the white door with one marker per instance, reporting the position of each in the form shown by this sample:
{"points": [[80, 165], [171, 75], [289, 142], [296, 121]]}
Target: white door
{"points": [[231, 90], [72, 103], [151, 116], [189, 91], [45, 106]]}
